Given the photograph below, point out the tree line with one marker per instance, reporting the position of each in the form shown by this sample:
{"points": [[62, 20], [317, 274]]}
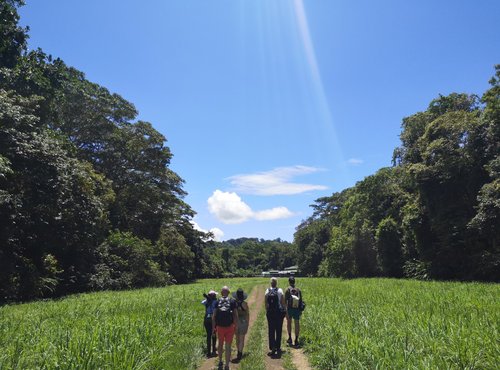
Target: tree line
{"points": [[250, 256], [87, 198], [435, 214]]}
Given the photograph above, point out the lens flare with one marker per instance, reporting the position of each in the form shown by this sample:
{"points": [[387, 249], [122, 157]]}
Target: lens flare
{"points": [[323, 109]]}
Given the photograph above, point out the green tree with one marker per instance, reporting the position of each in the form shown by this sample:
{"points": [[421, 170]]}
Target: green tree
{"points": [[51, 204], [389, 248], [175, 252], [339, 258], [128, 262], [12, 37]]}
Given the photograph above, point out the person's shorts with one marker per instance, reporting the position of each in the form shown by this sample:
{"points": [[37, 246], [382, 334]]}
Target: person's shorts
{"points": [[294, 313], [242, 327], [225, 333]]}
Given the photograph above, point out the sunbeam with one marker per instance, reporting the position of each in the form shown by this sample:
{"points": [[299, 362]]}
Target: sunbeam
{"points": [[321, 102]]}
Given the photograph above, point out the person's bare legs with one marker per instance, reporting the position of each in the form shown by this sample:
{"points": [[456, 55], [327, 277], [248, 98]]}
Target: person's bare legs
{"points": [[228, 353], [289, 329], [297, 328], [220, 347], [240, 342]]}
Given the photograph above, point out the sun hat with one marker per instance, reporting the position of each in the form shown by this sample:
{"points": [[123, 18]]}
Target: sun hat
{"points": [[212, 292], [240, 295]]}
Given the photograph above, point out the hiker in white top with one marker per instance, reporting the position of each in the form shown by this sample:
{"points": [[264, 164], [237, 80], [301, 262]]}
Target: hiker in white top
{"points": [[275, 313]]}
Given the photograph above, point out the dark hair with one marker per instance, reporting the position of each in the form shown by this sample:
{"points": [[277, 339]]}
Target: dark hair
{"points": [[291, 280], [239, 294]]}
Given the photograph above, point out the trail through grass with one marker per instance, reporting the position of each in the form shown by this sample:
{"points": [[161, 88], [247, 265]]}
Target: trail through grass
{"points": [[348, 324], [254, 347]]}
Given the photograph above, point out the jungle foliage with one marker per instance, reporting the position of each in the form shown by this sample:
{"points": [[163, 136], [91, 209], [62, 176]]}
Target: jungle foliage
{"points": [[87, 198], [434, 214], [249, 256]]}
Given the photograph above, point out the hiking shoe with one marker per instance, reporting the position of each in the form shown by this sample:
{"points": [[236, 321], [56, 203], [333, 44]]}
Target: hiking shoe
{"points": [[221, 365], [289, 341], [296, 344], [226, 367], [238, 358]]}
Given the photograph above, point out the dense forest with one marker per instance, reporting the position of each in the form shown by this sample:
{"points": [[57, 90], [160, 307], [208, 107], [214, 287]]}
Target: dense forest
{"points": [[250, 256], [88, 200], [435, 214]]}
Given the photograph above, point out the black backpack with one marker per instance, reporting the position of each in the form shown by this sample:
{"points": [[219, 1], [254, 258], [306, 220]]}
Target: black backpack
{"points": [[224, 316], [273, 300], [239, 304]]}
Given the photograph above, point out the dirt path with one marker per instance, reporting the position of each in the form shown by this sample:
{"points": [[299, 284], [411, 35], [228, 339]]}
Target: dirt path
{"points": [[299, 359], [254, 301]]}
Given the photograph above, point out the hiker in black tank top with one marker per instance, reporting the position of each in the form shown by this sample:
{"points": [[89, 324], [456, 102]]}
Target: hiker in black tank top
{"points": [[293, 298], [243, 321]]}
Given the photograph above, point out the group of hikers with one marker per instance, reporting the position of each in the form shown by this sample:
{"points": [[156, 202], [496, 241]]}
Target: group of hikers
{"points": [[226, 317]]}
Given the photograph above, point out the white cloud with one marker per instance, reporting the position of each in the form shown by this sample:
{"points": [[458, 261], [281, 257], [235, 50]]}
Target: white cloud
{"points": [[229, 208], [197, 227], [273, 214], [355, 161], [275, 182], [217, 233]]}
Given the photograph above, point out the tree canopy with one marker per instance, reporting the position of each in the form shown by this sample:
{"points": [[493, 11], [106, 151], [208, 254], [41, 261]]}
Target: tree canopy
{"points": [[434, 214], [87, 198]]}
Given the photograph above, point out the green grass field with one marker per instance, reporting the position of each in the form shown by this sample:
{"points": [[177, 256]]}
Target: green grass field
{"points": [[142, 329], [348, 324], [401, 324]]}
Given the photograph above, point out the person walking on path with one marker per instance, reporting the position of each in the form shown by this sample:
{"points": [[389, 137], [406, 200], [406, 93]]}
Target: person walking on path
{"points": [[293, 298], [243, 320], [210, 303], [224, 322], [275, 313]]}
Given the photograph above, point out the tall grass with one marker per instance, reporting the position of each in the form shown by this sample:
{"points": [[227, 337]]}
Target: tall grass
{"points": [[257, 343], [142, 329], [348, 324], [401, 324]]}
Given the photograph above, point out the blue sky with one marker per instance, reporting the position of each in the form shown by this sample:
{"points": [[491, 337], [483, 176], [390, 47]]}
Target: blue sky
{"points": [[268, 105]]}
